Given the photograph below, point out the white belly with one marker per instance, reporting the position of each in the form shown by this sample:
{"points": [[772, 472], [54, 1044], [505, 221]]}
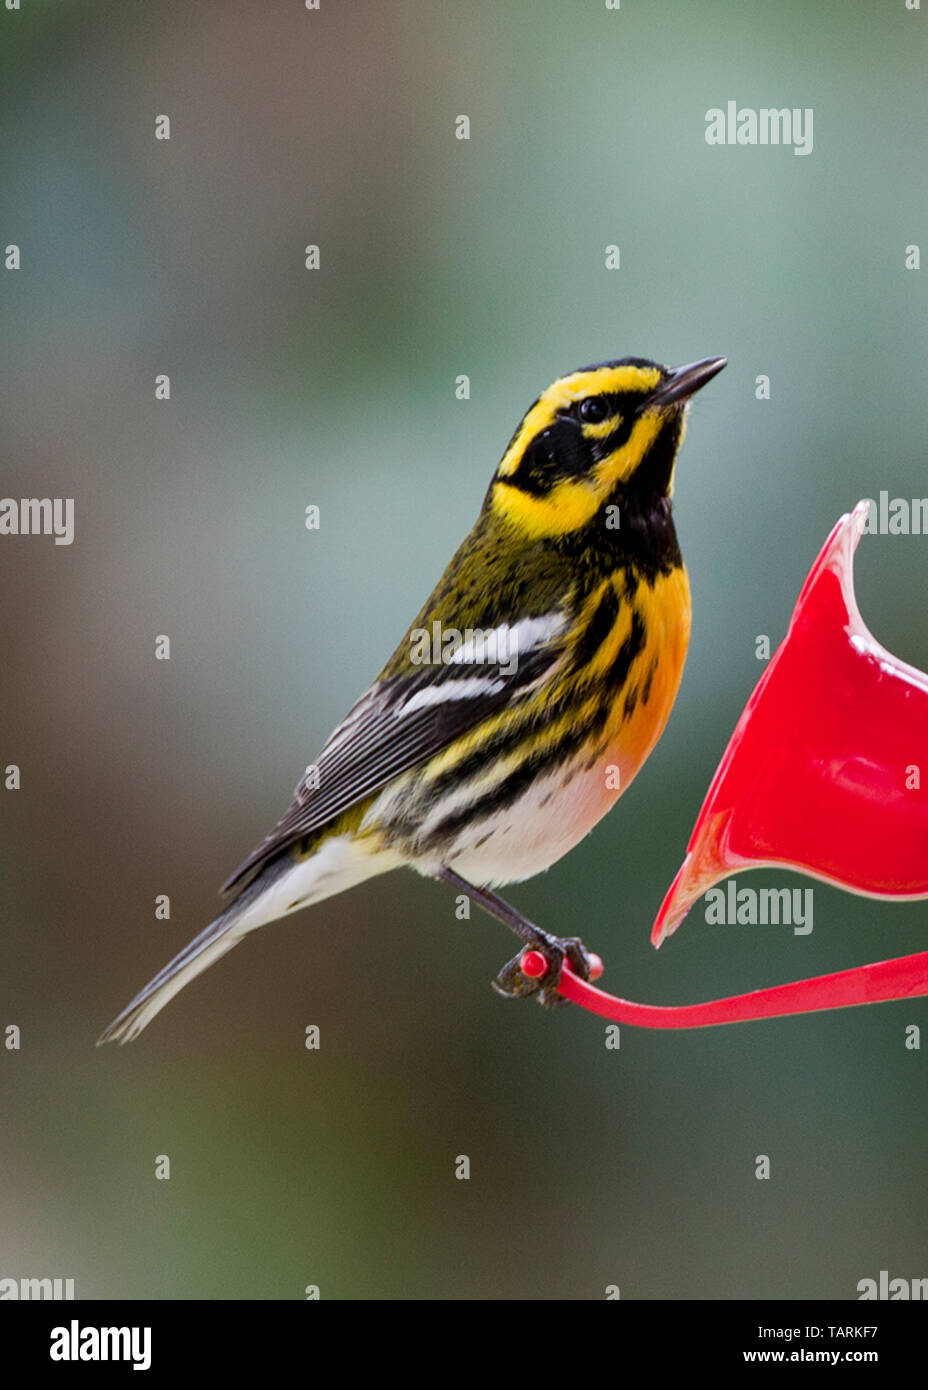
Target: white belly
{"points": [[527, 837]]}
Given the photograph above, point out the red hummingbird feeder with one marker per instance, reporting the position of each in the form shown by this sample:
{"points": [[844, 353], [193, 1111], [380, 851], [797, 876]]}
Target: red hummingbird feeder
{"points": [[821, 775]]}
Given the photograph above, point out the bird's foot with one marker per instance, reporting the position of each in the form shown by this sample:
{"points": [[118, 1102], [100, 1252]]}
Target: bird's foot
{"points": [[537, 969]]}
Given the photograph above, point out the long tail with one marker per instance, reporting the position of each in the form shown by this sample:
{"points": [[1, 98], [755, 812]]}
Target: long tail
{"points": [[229, 928], [282, 887], [202, 951], [197, 955]]}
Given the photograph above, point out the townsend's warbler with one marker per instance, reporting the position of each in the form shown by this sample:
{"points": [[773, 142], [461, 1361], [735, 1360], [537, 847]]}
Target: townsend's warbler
{"points": [[524, 697]]}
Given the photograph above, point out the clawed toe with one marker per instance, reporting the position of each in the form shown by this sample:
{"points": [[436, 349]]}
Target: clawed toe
{"points": [[537, 971]]}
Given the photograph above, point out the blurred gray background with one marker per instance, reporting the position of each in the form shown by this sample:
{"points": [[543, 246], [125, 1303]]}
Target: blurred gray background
{"points": [[438, 257]]}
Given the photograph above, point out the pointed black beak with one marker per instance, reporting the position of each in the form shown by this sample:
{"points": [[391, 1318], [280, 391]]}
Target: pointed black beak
{"points": [[684, 381]]}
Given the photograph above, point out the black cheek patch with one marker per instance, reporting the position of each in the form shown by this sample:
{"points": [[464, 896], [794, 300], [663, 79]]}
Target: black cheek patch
{"points": [[558, 452]]}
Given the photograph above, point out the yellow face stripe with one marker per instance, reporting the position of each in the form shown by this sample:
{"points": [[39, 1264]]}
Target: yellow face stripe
{"points": [[573, 502], [604, 428], [569, 505], [619, 466], [604, 380]]}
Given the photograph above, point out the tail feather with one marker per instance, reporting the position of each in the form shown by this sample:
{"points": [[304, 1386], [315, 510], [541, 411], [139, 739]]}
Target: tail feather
{"points": [[192, 961], [228, 929], [283, 886]]}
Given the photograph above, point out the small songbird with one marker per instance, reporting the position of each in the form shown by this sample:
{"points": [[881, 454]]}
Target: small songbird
{"points": [[523, 699]]}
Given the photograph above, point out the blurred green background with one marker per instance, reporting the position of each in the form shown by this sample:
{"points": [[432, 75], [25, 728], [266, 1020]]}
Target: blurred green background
{"points": [[438, 257]]}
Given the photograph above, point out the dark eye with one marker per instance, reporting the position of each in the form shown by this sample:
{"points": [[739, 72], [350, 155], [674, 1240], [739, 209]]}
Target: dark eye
{"points": [[593, 410]]}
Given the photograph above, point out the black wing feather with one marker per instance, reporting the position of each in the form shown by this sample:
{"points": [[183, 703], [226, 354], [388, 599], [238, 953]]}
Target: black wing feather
{"points": [[377, 741]]}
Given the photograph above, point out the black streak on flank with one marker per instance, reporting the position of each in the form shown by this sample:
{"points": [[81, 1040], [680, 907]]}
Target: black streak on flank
{"points": [[508, 791], [617, 674], [646, 693], [598, 628]]}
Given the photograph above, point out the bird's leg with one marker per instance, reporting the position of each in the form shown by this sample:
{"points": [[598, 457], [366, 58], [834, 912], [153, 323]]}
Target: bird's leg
{"points": [[510, 981]]}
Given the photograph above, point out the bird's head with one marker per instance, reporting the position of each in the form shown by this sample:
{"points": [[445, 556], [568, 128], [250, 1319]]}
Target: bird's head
{"points": [[603, 435]]}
